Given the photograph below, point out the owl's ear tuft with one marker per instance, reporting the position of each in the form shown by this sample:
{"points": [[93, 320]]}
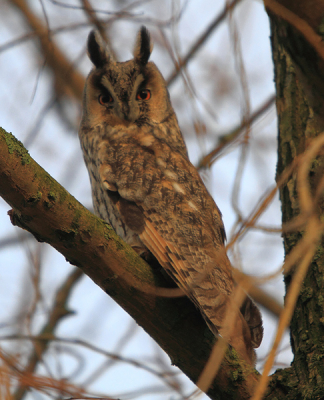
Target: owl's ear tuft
{"points": [[143, 46], [97, 50]]}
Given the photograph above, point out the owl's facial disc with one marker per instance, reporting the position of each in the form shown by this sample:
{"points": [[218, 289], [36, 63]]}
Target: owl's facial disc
{"points": [[124, 91]]}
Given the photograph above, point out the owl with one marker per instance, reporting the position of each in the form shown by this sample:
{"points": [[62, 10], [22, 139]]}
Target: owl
{"points": [[144, 185]]}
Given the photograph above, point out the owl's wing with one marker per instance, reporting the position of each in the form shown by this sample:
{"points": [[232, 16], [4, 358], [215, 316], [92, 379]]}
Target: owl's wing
{"points": [[163, 200], [208, 284]]}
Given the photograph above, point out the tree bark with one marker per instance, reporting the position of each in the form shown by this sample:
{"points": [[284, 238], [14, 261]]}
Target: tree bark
{"points": [[299, 80]]}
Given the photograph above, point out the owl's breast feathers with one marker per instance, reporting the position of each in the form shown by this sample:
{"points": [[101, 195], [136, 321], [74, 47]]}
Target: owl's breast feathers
{"points": [[162, 199]]}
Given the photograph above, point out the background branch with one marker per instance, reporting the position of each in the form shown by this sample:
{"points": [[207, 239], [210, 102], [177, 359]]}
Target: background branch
{"points": [[59, 311]]}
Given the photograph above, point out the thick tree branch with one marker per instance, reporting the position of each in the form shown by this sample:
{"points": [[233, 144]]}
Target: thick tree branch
{"points": [[44, 208]]}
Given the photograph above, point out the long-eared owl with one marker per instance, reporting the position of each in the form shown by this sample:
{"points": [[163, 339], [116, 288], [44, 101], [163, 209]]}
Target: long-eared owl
{"points": [[144, 185]]}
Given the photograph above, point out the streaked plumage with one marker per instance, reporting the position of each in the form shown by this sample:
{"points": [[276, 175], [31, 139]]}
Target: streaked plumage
{"points": [[144, 185]]}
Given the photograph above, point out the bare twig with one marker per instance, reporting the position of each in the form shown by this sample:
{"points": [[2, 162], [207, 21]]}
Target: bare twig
{"points": [[50, 337], [263, 203], [230, 137], [238, 58], [94, 20], [64, 70], [201, 40], [59, 311]]}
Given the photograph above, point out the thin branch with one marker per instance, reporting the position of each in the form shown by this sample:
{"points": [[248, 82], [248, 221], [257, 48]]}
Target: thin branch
{"points": [[49, 337], [59, 311], [264, 202], [95, 21], [201, 40], [64, 70], [14, 240], [230, 137], [246, 106]]}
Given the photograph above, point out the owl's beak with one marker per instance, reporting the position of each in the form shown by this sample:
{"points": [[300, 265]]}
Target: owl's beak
{"points": [[128, 113], [125, 111]]}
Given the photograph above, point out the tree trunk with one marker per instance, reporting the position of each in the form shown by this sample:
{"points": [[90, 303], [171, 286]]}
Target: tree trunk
{"points": [[299, 82]]}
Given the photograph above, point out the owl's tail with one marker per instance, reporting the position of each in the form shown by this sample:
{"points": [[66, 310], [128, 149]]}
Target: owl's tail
{"points": [[222, 310], [244, 332], [252, 316]]}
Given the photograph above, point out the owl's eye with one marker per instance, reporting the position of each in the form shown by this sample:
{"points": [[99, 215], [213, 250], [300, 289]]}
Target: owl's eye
{"points": [[143, 94], [105, 99]]}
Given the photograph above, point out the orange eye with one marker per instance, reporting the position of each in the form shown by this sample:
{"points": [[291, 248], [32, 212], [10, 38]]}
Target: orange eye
{"points": [[104, 99], [143, 94]]}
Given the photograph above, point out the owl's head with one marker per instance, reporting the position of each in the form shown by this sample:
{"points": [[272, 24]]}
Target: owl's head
{"points": [[124, 93]]}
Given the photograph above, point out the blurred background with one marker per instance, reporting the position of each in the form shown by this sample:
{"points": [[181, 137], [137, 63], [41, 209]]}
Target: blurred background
{"points": [[216, 58]]}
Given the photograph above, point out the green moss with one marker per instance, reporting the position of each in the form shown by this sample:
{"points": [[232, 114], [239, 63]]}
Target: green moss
{"points": [[320, 28], [320, 300], [306, 293], [48, 205], [76, 218], [35, 198], [107, 236], [52, 196], [319, 251], [63, 195], [304, 336], [55, 193], [316, 357], [15, 146], [287, 379], [120, 245], [108, 226]]}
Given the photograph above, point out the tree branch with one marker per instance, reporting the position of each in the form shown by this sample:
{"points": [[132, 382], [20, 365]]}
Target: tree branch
{"points": [[44, 208]]}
